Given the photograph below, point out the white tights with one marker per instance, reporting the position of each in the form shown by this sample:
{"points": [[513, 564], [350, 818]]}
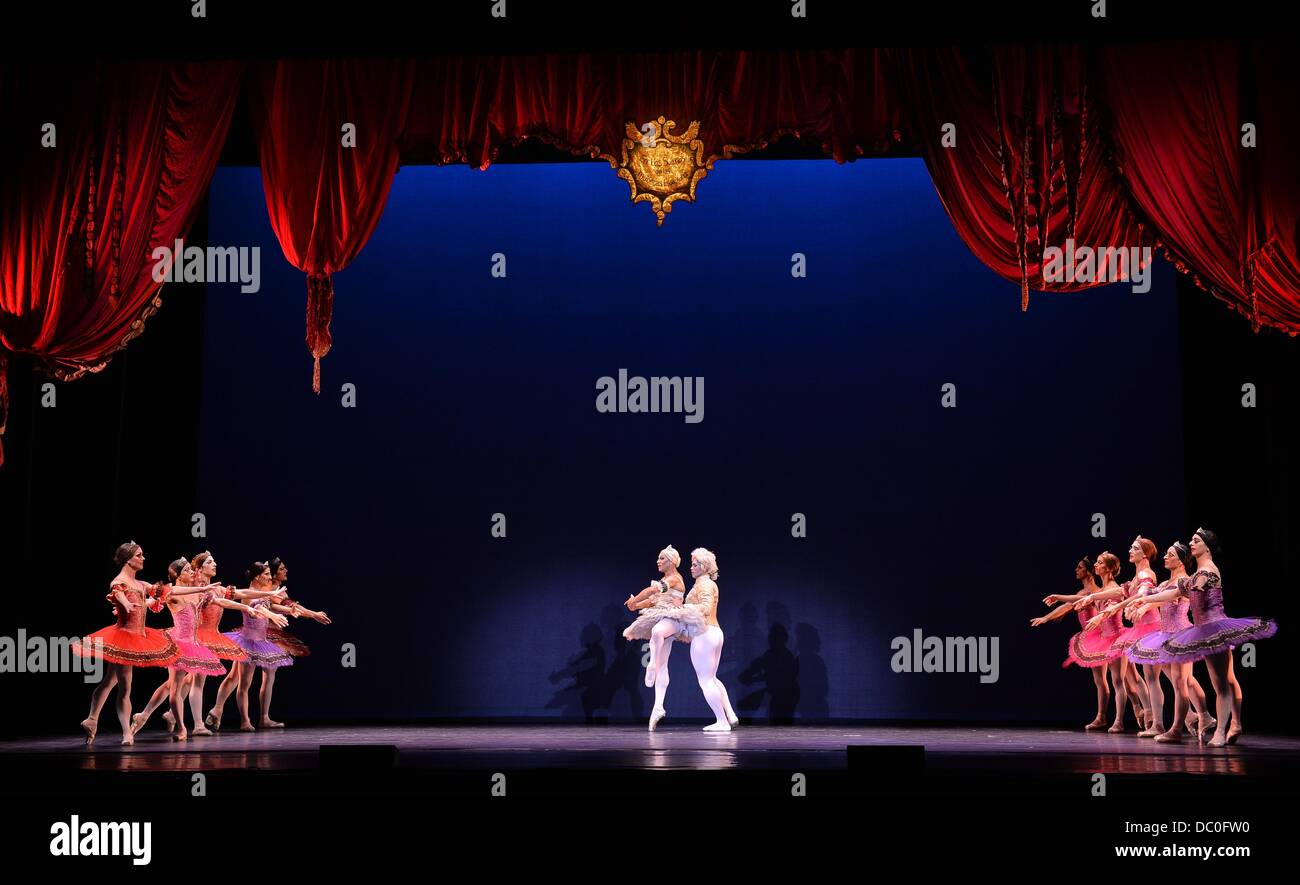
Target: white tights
{"points": [[706, 654]]}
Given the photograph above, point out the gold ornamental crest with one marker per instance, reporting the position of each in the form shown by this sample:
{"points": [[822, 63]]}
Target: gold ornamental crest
{"points": [[662, 167]]}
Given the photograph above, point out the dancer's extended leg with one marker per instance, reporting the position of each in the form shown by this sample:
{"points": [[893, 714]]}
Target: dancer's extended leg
{"points": [[661, 685], [97, 697], [228, 685], [662, 632], [124, 704]]}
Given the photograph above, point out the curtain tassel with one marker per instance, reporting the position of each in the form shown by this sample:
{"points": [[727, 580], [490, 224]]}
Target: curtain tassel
{"points": [[320, 309]]}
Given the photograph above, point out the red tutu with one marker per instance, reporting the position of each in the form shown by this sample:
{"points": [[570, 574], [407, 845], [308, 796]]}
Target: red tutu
{"points": [[129, 641], [207, 634], [288, 643]]}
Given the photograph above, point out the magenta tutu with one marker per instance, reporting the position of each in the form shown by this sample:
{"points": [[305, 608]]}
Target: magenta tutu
{"points": [[1094, 648], [192, 656]]}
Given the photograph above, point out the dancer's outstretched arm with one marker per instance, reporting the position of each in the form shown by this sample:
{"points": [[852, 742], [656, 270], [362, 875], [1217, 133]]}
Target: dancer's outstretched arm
{"points": [[1163, 596], [250, 593], [239, 606], [1054, 598], [1054, 615]]}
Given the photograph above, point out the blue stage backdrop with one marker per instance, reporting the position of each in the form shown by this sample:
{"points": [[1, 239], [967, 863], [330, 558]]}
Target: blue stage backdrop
{"points": [[476, 395]]}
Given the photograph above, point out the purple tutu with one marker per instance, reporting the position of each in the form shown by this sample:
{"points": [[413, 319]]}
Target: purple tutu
{"points": [[1212, 632], [251, 637], [1203, 640], [261, 652]]}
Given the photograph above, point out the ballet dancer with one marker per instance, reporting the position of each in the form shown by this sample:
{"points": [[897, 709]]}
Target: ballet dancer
{"points": [[1146, 651], [1095, 643], [262, 654], [1212, 636], [194, 659], [701, 625], [127, 644], [659, 605], [1083, 573], [290, 644], [1143, 583]]}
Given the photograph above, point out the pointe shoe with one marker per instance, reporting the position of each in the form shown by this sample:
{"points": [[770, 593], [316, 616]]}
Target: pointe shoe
{"points": [[90, 726], [1208, 724], [1148, 733], [1172, 736], [733, 721], [1096, 724], [717, 726], [211, 720], [270, 723], [137, 722], [128, 741], [1117, 728], [655, 715], [200, 731], [650, 676], [247, 726], [1232, 736], [180, 735], [170, 720], [1216, 742]]}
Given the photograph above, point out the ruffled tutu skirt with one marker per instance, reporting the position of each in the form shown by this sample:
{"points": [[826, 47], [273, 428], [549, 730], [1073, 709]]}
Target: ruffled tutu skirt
{"points": [[641, 627], [261, 652], [1092, 648], [153, 648], [1130, 636], [195, 658], [1202, 640], [289, 644], [217, 643], [1147, 650]]}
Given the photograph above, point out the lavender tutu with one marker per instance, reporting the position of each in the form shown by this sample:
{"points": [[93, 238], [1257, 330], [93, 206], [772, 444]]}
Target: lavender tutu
{"points": [[252, 639], [1173, 618], [1212, 632]]}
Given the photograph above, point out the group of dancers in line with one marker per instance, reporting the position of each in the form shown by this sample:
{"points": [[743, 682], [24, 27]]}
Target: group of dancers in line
{"points": [[668, 614], [193, 648], [1161, 638]]}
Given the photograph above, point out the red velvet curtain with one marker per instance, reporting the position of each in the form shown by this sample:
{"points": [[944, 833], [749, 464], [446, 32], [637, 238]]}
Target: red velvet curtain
{"points": [[134, 148], [325, 196], [1228, 212], [465, 109], [1112, 147], [1027, 169]]}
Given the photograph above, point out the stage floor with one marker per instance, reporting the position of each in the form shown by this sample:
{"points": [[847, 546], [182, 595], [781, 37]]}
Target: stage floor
{"points": [[672, 747]]}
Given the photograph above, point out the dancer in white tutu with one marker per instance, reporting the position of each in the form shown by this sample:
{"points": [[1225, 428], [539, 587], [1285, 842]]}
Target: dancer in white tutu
{"points": [[700, 624], [661, 608]]}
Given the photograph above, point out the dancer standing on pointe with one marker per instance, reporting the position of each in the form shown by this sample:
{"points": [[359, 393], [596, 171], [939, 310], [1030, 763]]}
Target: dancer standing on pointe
{"points": [[290, 644], [701, 625], [262, 654], [1146, 651], [126, 644], [1143, 583], [1088, 585], [1095, 644], [194, 658], [1212, 636], [659, 604]]}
